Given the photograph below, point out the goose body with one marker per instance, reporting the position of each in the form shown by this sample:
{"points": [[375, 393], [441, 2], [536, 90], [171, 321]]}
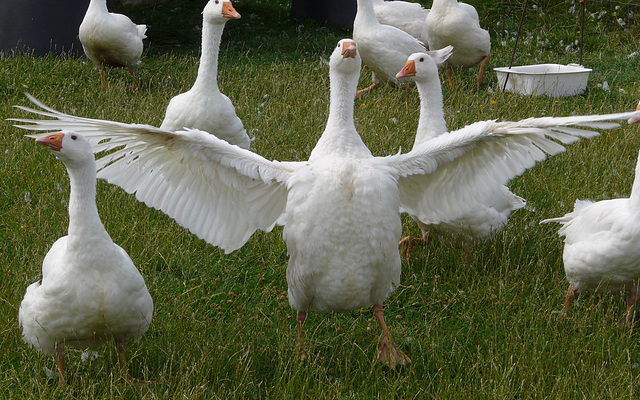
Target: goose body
{"points": [[601, 251], [404, 15], [452, 23], [340, 209], [110, 39], [90, 292], [204, 107], [384, 48], [478, 217]]}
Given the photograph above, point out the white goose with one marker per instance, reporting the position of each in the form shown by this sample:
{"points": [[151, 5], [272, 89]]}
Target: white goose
{"points": [[384, 48], [90, 291], [404, 15], [340, 209], [204, 107], [457, 24], [111, 40], [601, 250], [479, 217]]}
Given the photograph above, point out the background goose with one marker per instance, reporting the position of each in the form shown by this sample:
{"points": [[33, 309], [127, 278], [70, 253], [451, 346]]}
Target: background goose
{"points": [[90, 291], [404, 15], [340, 209], [457, 24], [601, 251], [383, 48], [204, 107], [111, 40], [478, 217]]}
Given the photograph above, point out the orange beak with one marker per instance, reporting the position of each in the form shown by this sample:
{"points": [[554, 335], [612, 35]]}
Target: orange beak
{"points": [[408, 70], [53, 141], [636, 119], [228, 11], [348, 50]]}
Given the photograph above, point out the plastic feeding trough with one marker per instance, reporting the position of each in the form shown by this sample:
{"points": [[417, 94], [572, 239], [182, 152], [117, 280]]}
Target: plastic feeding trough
{"points": [[553, 80]]}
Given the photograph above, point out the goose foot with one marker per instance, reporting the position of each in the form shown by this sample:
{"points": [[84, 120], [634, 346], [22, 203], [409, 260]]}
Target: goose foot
{"points": [[366, 90], [407, 243], [388, 354]]}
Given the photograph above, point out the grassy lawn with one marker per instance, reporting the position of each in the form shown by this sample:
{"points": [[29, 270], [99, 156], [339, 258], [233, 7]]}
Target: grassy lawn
{"points": [[476, 322]]}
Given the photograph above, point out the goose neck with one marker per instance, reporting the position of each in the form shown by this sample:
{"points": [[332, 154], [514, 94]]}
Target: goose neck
{"points": [[98, 5], [634, 198], [84, 221], [432, 122], [366, 14], [208, 68]]}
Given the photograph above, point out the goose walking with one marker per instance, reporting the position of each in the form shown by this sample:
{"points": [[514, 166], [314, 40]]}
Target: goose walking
{"points": [[601, 251], [111, 40], [203, 106], [383, 48], [340, 209], [480, 216], [91, 292], [453, 23]]}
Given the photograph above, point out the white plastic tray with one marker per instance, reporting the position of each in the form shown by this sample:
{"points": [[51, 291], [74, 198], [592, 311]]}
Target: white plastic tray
{"points": [[544, 79]]}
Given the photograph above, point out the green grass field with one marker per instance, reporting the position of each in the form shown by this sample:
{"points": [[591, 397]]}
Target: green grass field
{"points": [[477, 323]]}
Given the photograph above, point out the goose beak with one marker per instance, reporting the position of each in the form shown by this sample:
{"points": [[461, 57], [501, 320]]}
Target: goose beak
{"points": [[349, 50], [228, 11], [53, 141], [635, 119], [408, 70]]}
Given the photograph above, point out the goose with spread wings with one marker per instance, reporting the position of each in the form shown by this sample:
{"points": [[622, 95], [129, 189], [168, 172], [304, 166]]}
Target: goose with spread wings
{"points": [[340, 208]]}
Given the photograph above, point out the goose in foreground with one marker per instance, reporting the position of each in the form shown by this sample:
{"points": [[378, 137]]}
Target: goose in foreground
{"points": [[91, 292], [480, 216], [452, 23], [340, 209], [204, 107], [111, 40], [601, 251], [384, 48], [404, 15]]}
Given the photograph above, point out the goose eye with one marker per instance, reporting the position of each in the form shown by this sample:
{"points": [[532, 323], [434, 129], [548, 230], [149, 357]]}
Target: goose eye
{"points": [[74, 137], [421, 59], [217, 2]]}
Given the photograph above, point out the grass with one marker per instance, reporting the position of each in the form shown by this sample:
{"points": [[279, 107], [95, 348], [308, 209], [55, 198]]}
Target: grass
{"points": [[476, 323]]}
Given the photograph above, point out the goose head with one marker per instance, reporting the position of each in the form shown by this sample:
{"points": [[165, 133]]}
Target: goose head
{"points": [[69, 147], [219, 11], [425, 65], [345, 57]]}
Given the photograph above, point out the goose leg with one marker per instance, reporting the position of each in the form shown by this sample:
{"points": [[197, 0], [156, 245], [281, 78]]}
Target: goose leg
{"points": [[388, 354], [300, 319], [632, 297], [132, 71], [483, 64], [102, 78], [407, 243], [448, 72], [568, 300], [122, 346], [366, 90], [60, 364]]}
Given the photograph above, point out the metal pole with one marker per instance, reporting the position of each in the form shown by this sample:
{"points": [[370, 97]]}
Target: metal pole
{"points": [[513, 55]]}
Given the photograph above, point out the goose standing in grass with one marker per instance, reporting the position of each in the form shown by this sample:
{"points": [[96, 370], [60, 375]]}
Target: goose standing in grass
{"points": [[601, 246], [480, 216], [340, 209], [91, 292], [384, 48], [452, 23], [111, 40], [204, 107], [404, 15]]}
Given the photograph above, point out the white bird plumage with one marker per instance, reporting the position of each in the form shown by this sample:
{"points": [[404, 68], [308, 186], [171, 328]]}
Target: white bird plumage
{"points": [[404, 15], [383, 48], [111, 40], [342, 240], [204, 107], [453, 23], [91, 292], [477, 217], [601, 251]]}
